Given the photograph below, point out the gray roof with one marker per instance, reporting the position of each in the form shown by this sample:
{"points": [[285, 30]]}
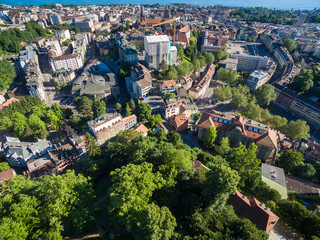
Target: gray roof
{"points": [[273, 173]]}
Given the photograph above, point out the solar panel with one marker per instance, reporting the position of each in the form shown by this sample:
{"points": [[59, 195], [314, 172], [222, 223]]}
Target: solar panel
{"points": [[260, 131], [220, 120], [255, 129], [215, 119]]}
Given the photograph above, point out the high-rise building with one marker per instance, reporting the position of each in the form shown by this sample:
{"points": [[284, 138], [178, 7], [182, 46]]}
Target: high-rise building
{"points": [[56, 19], [257, 79]]}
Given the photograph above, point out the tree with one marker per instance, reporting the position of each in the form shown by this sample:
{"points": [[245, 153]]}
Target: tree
{"points": [[220, 182], [154, 120], [163, 66], [221, 55], [38, 127], [172, 73], [143, 112], [128, 110], [20, 124], [305, 171], [226, 75], [154, 223], [4, 166], [93, 149], [53, 119], [289, 160], [174, 138], [239, 100], [290, 44], [245, 161], [298, 129], [7, 74], [210, 137], [98, 108], [209, 57], [85, 105], [265, 94], [118, 107], [224, 146], [180, 51], [167, 96], [132, 104], [222, 93], [179, 158]]}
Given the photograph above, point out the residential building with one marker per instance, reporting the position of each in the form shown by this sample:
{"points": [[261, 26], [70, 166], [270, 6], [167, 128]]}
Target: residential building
{"points": [[168, 86], [62, 35], [85, 25], [108, 126], [274, 177], [158, 48], [310, 150], [8, 102], [160, 126], [174, 107], [200, 87], [70, 61], [10, 173], [271, 41], [34, 80], [257, 79], [249, 62], [179, 123], [255, 211], [184, 34], [283, 56], [241, 130], [25, 56], [215, 40], [142, 129], [127, 52], [56, 19], [139, 84], [19, 153], [98, 86], [63, 76]]}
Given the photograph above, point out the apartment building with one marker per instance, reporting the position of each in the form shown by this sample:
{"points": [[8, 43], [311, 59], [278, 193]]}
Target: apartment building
{"points": [[158, 48], [168, 86], [283, 56], [250, 63], [70, 61], [108, 126], [257, 79], [215, 40], [62, 35], [56, 19], [127, 52], [174, 107]]}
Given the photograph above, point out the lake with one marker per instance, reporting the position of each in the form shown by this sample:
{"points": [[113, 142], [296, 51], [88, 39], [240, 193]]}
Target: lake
{"points": [[279, 4]]}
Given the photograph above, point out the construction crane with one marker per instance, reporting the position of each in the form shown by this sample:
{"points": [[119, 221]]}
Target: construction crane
{"points": [[174, 20]]}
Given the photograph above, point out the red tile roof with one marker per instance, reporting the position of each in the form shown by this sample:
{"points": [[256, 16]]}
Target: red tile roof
{"points": [[168, 84], [142, 129], [7, 103], [10, 173], [254, 210]]}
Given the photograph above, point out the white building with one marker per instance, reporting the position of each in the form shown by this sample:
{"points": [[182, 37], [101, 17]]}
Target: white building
{"points": [[257, 79], [158, 48], [56, 19], [249, 62], [70, 61], [283, 56], [62, 35]]}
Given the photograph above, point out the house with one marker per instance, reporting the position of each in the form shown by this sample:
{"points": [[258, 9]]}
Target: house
{"points": [[179, 123], [184, 34], [310, 150], [142, 129], [19, 153], [255, 211], [108, 126], [173, 107], [274, 177], [168, 86], [127, 52], [184, 82], [139, 84], [7, 174], [241, 130], [160, 126], [8, 102]]}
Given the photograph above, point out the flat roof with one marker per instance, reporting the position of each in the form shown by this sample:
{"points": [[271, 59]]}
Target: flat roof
{"points": [[273, 173], [157, 38]]}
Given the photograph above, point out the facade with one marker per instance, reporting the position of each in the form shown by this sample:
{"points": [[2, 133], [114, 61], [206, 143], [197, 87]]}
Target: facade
{"points": [[19, 153], [174, 107], [56, 19], [257, 79], [270, 41], [310, 150], [183, 35], [283, 56], [85, 25], [25, 56], [249, 63], [62, 35], [240, 130], [179, 123], [108, 126], [158, 48], [34, 82], [254, 210], [139, 84], [168, 86], [214, 41], [127, 52], [70, 61], [274, 177], [63, 76], [201, 86]]}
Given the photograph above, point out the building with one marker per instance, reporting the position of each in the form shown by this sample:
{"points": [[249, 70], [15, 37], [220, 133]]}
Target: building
{"points": [[214, 41], [179, 123], [274, 177], [174, 107], [200, 87], [69, 61], [63, 76], [301, 19], [249, 63], [271, 41], [183, 35], [255, 211], [34, 80], [241, 130], [25, 56], [10, 173], [56, 19], [283, 56], [62, 35], [108, 126], [158, 48], [98, 86], [127, 52], [310, 150], [142, 129], [19, 153], [257, 79], [168, 86], [85, 25], [139, 84]]}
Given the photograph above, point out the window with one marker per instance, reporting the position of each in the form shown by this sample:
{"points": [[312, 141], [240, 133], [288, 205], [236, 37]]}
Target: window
{"points": [[215, 119], [225, 121], [220, 120], [255, 129]]}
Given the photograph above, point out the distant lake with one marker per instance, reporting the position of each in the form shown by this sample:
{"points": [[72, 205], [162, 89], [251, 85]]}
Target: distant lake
{"points": [[279, 4]]}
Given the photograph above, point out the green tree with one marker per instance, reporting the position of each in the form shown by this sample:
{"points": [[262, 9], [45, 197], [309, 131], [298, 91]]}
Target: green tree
{"points": [[306, 171], [53, 119], [128, 110], [209, 57], [290, 44], [221, 55], [154, 120], [298, 129], [98, 108], [85, 105], [222, 93], [290, 159], [4, 166], [132, 104], [224, 147], [265, 94], [252, 111], [7, 74], [143, 111], [163, 66], [179, 158], [19, 124], [38, 127], [239, 100], [226, 75], [180, 52], [167, 96], [93, 150], [210, 137], [118, 107], [172, 73]]}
